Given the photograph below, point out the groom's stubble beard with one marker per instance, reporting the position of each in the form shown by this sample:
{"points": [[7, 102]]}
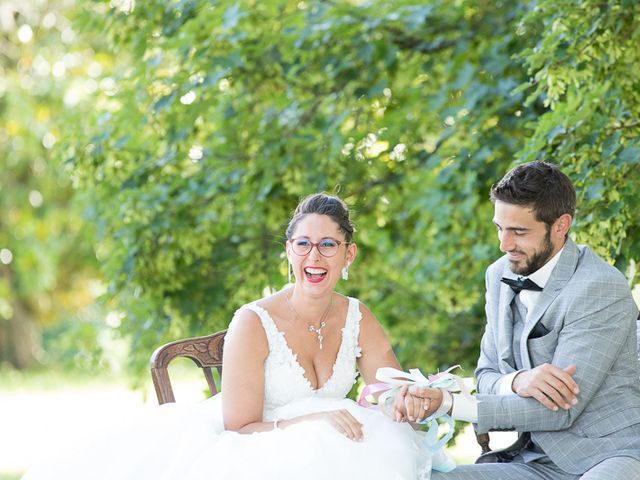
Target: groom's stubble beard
{"points": [[537, 260]]}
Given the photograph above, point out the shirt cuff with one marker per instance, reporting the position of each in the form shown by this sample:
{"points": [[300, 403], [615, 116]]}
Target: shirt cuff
{"points": [[505, 384], [464, 408]]}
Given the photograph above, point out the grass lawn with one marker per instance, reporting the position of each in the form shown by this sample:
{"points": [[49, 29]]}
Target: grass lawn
{"points": [[10, 475], [48, 408]]}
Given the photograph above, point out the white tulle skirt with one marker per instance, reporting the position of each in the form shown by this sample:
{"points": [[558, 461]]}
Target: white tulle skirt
{"points": [[176, 442]]}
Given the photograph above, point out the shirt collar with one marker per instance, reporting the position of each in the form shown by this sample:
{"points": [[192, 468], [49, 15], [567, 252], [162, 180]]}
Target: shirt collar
{"points": [[541, 276]]}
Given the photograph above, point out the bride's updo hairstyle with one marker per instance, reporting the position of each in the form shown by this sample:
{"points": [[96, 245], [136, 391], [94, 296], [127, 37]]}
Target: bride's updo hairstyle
{"points": [[323, 204]]}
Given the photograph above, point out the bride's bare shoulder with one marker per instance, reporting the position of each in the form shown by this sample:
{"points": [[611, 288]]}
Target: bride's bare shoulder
{"points": [[245, 323]]}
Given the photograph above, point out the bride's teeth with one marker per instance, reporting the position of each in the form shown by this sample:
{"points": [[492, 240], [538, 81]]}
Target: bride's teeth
{"points": [[314, 271]]}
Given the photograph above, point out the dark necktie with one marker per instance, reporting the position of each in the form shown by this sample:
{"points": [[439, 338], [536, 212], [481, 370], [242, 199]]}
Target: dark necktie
{"points": [[521, 284]]}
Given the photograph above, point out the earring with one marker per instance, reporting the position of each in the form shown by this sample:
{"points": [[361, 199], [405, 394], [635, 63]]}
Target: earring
{"points": [[289, 270], [345, 273]]}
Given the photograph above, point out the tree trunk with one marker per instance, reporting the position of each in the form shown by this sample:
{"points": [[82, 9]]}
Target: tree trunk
{"points": [[20, 336], [20, 340]]}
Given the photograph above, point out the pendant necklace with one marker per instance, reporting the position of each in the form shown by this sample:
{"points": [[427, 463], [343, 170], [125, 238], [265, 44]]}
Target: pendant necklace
{"points": [[312, 329]]}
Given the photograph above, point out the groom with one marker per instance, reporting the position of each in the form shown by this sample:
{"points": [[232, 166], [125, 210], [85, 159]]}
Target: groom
{"points": [[558, 360]]}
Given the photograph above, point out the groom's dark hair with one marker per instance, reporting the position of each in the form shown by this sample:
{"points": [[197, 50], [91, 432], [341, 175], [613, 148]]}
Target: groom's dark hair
{"points": [[539, 185]]}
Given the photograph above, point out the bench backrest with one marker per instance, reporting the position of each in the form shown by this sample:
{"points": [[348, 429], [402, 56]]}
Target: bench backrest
{"points": [[206, 352]]}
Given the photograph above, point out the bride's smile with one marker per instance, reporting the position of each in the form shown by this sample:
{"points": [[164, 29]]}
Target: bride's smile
{"points": [[314, 274]]}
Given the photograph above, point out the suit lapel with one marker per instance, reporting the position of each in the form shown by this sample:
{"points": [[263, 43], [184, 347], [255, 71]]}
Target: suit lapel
{"points": [[561, 274], [505, 325]]}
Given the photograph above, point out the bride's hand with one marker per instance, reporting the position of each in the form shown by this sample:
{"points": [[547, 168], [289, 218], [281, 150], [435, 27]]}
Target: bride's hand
{"points": [[342, 421], [399, 409], [423, 401], [416, 404]]}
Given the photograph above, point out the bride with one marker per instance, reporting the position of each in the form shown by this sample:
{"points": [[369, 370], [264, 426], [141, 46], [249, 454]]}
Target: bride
{"points": [[289, 361]]}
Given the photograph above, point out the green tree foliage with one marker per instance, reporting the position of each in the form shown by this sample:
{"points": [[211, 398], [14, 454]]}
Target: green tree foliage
{"points": [[584, 67], [229, 112], [46, 253]]}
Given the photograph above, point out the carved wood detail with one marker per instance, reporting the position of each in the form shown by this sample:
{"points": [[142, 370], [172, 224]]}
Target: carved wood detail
{"points": [[206, 352]]}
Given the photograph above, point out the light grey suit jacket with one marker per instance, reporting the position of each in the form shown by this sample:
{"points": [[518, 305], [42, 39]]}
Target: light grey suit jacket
{"points": [[590, 316]]}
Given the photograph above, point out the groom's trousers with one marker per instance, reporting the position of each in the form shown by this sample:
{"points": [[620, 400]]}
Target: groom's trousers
{"points": [[615, 468]]}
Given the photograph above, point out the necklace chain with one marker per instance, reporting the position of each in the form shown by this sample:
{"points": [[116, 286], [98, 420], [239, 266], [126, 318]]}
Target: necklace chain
{"points": [[312, 329]]}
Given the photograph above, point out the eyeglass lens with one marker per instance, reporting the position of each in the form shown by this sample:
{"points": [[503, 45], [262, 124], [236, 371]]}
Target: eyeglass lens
{"points": [[327, 247]]}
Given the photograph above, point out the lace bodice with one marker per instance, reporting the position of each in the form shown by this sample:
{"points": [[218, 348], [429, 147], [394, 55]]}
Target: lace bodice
{"points": [[284, 379]]}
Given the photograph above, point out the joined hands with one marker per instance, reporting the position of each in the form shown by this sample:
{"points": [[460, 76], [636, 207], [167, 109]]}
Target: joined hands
{"points": [[416, 403], [552, 386]]}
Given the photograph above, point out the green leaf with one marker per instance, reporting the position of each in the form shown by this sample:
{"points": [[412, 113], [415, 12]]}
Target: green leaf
{"points": [[232, 16], [611, 145], [630, 155], [165, 102]]}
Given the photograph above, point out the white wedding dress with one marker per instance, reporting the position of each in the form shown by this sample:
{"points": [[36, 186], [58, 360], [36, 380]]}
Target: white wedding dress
{"points": [[176, 442]]}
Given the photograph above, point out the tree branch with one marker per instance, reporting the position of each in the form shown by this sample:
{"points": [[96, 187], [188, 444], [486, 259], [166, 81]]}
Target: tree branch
{"points": [[410, 42]]}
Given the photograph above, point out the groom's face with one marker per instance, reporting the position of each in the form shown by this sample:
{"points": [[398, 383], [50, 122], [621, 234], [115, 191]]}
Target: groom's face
{"points": [[527, 242]]}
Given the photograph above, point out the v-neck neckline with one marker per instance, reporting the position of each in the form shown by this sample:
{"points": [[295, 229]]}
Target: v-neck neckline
{"points": [[294, 356]]}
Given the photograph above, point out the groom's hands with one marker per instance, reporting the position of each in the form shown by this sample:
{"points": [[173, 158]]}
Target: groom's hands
{"points": [[416, 404], [552, 386]]}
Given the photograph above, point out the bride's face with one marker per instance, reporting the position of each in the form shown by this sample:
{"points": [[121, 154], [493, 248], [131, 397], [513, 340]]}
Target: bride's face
{"points": [[314, 272]]}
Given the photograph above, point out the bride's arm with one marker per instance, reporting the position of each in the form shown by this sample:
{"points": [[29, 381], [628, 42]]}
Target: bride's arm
{"points": [[376, 353], [376, 349], [245, 350]]}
